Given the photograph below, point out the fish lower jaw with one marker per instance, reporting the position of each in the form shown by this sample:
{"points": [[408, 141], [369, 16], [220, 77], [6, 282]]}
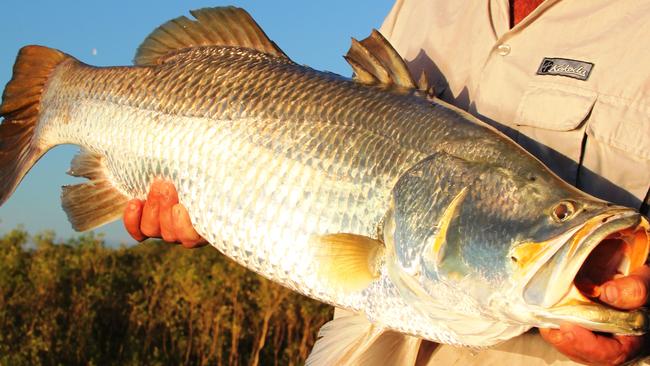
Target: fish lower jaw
{"points": [[577, 309]]}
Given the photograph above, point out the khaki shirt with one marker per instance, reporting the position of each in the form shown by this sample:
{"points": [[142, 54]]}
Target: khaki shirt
{"points": [[594, 133]]}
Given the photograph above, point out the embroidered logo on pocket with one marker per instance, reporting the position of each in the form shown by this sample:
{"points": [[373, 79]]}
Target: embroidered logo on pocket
{"points": [[565, 67]]}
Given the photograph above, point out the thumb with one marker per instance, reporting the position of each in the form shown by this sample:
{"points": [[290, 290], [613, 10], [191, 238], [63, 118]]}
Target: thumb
{"points": [[628, 292]]}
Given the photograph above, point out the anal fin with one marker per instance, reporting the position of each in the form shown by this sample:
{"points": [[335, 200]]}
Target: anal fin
{"points": [[93, 203]]}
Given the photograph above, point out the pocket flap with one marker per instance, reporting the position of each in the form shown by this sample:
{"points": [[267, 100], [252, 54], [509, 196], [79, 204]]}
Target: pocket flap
{"points": [[622, 124], [554, 106]]}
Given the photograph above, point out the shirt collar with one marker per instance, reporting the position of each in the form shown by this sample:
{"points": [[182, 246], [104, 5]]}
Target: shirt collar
{"points": [[499, 13]]}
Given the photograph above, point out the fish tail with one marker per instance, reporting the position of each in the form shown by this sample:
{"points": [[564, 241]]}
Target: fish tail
{"points": [[21, 105]]}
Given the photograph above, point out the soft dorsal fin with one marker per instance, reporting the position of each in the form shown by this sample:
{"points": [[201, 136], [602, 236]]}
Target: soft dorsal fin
{"points": [[375, 56], [223, 26]]}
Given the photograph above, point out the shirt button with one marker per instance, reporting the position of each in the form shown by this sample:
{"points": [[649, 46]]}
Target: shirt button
{"points": [[503, 49]]}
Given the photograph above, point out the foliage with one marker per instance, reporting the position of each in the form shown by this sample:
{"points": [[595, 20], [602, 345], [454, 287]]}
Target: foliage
{"points": [[80, 302]]}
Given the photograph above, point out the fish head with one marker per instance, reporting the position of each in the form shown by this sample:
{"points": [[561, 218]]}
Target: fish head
{"points": [[561, 278], [491, 242]]}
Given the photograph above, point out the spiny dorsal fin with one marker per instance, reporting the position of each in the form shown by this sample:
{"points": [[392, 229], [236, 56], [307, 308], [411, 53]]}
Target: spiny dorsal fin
{"points": [[424, 90], [360, 73], [95, 202], [423, 81], [375, 56], [224, 26]]}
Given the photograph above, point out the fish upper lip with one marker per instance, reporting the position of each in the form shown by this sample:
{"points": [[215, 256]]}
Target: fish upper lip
{"points": [[575, 306], [553, 279], [592, 234]]}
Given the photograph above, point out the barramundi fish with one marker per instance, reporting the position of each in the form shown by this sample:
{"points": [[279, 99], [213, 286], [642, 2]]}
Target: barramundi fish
{"points": [[366, 193]]}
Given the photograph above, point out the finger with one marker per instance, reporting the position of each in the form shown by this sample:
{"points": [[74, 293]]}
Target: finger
{"points": [[632, 346], [150, 223], [168, 198], [584, 346], [183, 228], [628, 292], [132, 216], [562, 341]]}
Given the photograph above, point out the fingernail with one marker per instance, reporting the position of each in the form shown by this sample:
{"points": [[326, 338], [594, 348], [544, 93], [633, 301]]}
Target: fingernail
{"points": [[153, 205], [176, 211], [165, 192], [556, 337], [568, 336], [610, 295], [133, 206]]}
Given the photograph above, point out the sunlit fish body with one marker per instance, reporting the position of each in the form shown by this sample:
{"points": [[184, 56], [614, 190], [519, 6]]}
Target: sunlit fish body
{"points": [[366, 193]]}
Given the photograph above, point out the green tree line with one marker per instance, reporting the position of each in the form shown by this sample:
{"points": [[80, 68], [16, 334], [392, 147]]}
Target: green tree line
{"points": [[81, 302]]}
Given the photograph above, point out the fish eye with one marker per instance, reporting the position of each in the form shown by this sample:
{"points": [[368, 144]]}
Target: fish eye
{"points": [[563, 211]]}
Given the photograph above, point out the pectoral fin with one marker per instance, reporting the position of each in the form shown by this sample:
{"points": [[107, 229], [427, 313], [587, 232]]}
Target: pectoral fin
{"points": [[353, 340], [347, 261], [451, 212]]}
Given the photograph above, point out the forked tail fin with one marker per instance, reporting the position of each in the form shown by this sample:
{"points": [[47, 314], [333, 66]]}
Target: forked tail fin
{"points": [[21, 105]]}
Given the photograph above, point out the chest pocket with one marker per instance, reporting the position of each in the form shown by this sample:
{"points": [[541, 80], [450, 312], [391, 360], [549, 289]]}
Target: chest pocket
{"points": [[617, 151], [599, 143], [550, 123], [555, 107]]}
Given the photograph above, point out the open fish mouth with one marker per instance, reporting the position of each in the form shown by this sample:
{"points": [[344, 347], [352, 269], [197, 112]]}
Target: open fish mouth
{"points": [[606, 247]]}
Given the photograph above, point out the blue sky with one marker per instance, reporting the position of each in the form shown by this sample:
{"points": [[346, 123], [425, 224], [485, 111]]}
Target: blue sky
{"points": [[107, 33]]}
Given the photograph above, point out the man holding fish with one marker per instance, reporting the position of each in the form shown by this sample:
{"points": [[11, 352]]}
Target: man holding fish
{"points": [[531, 66]]}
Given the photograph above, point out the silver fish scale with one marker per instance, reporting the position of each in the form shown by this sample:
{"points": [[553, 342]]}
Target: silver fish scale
{"points": [[264, 153], [258, 209]]}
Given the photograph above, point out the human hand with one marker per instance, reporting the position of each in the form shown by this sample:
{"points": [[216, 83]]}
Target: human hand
{"points": [[584, 346], [161, 216]]}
